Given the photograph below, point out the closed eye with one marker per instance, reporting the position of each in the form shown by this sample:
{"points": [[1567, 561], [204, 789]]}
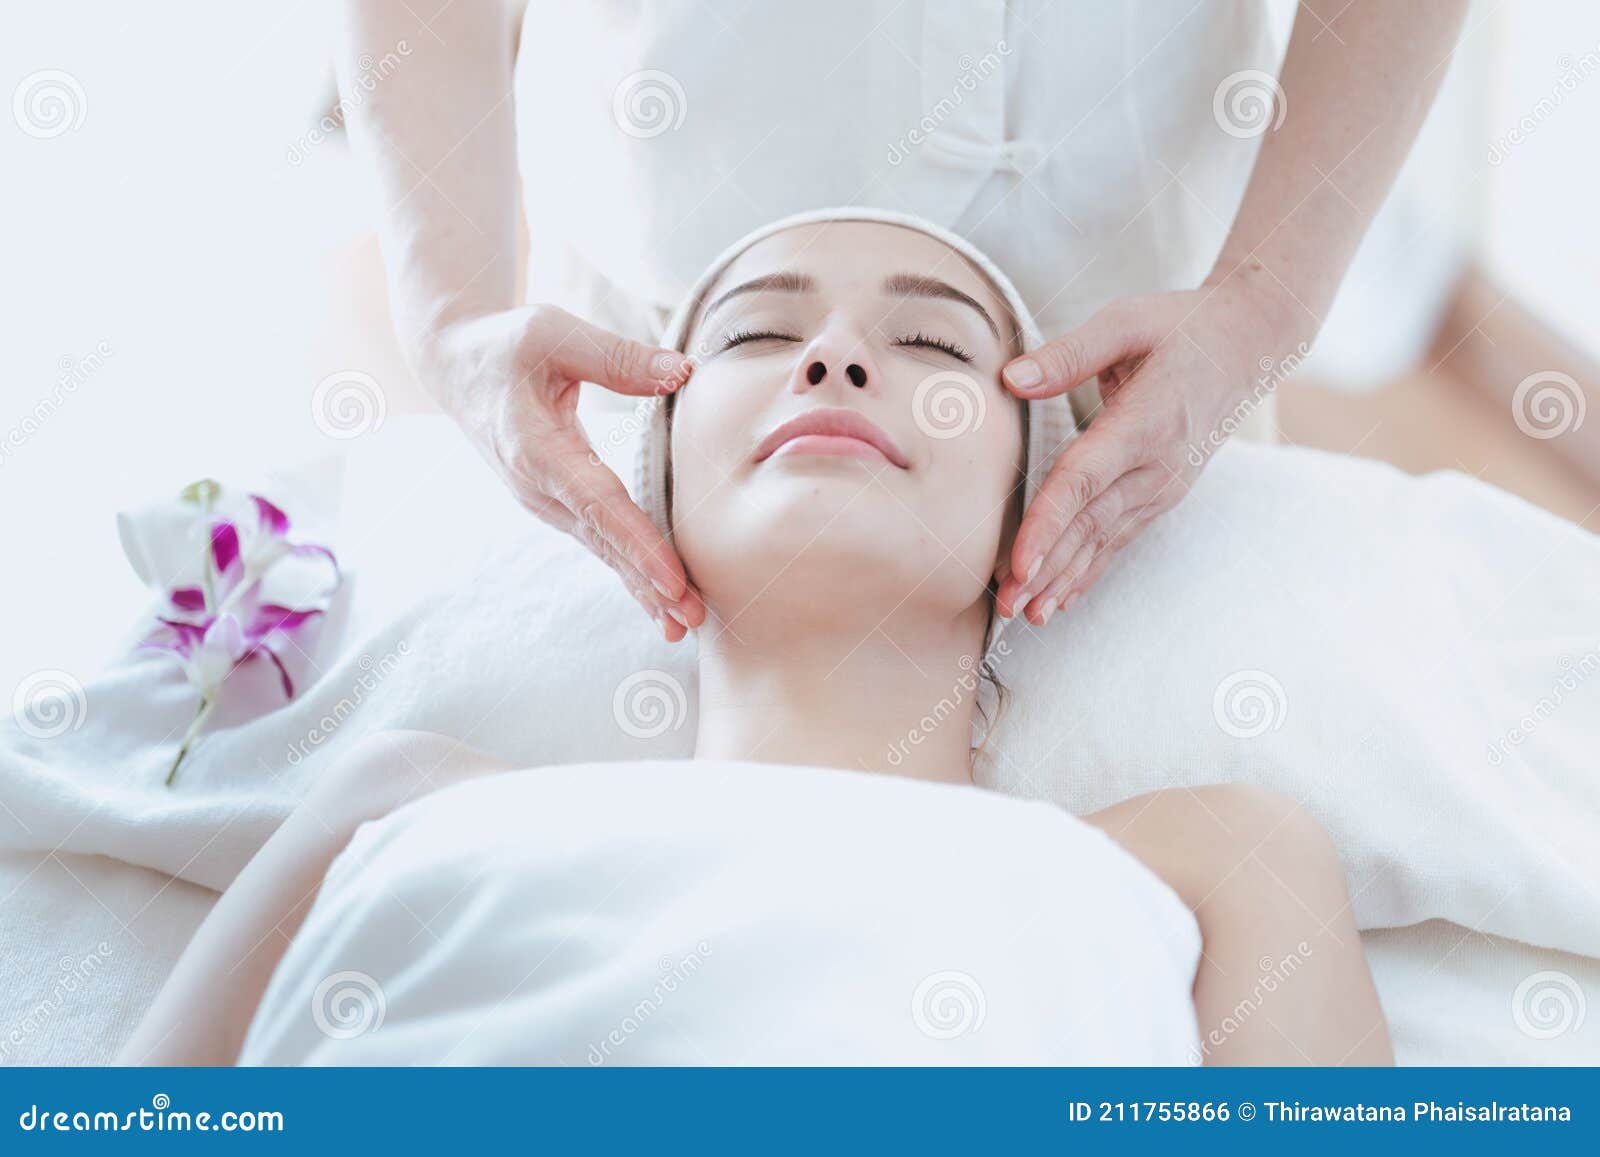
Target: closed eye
{"points": [[920, 340], [745, 336]]}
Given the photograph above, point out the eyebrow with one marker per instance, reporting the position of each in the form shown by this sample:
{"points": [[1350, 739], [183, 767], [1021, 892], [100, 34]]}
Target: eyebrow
{"points": [[898, 284], [920, 285], [786, 282]]}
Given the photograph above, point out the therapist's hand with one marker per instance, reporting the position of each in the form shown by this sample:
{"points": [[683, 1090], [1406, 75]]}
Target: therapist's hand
{"points": [[511, 379], [1172, 369]]}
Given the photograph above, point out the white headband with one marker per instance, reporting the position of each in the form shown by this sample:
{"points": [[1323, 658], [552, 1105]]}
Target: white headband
{"points": [[1050, 420]]}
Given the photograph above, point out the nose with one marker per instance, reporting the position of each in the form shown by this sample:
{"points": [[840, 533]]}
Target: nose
{"points": [[854, 374], [837, 358]]}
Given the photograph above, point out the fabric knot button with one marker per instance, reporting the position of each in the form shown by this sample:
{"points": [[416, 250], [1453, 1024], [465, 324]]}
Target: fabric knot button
{"points": [[1021, 156]]}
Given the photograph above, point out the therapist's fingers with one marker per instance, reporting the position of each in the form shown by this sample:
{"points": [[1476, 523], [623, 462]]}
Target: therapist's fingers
{"points": [[1115, 335], [605, 518], [673, 617], [1108, 449], [1097, 523], [579, 351], [1084, 571]]}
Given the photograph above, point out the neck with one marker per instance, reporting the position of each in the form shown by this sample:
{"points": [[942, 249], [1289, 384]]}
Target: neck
{"points": [[879, 699]]}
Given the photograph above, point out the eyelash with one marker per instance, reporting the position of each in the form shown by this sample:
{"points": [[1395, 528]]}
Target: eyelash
{"points": [[739, 337], [918, 339], [937, 343]]}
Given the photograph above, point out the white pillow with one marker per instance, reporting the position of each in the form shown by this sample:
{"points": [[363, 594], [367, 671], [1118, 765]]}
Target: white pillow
{"points": [[1417, 660]]}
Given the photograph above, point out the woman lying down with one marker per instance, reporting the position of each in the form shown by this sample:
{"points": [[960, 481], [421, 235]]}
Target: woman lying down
{"points": [[810, 888]]}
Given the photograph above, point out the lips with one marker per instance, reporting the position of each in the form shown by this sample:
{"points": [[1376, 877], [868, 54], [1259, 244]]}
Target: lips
{"points": [[832, 432]]}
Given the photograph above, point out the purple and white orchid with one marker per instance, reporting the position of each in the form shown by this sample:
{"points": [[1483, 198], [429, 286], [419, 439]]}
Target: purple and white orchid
{"points": [[252, 590]]}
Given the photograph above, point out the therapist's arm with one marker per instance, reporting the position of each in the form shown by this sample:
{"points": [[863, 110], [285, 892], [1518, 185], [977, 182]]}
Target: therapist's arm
{"points": [[1178, 371], [204, 1010], [426, 87]]}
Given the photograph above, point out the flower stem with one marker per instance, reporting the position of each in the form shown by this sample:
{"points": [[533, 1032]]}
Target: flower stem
{"points": [[189, 737]]}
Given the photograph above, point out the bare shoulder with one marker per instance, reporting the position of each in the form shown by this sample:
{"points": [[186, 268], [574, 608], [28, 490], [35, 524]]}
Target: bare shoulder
{"points": [[1197, 838], [386, 769]]}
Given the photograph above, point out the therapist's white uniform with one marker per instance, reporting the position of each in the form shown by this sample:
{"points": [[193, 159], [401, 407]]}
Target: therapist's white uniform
{"points": [[1077, 143]]}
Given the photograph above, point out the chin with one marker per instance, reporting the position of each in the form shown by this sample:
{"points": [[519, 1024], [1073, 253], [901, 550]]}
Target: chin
{"points": [[826, 562], [828, 512]]}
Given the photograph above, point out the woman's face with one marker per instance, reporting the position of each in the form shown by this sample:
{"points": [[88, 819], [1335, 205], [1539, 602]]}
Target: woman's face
{"points": [[845, 445]]}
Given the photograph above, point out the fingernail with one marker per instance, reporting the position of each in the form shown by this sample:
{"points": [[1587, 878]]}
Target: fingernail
{"points": [[671, 367], [1033, 570], [1046, 611], [662, 589], [678, 617], [1025, 374]]}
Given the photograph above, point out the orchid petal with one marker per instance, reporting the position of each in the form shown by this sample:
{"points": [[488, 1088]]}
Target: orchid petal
{"points": [[224, 545], [160, 541], [272, 520], [270, 617], [309, 548], [226, 634], [189, 599], [223, 648], [283, 672], [262, 552], [170, 646], [303, 579], [188, 635]]}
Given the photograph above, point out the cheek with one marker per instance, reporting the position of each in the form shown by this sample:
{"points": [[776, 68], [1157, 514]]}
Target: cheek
{"points": [[711, 420], [713, 428], [972, 487]]}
